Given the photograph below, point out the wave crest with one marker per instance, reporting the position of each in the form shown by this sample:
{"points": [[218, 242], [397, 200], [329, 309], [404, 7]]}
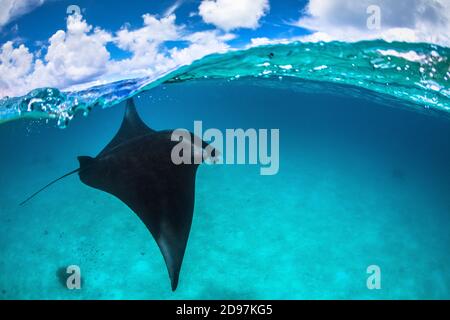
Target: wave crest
{"points": [[413, 73]]}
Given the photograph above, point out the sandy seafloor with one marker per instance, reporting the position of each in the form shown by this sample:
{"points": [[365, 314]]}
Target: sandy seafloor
{"points": [[359, 184]]}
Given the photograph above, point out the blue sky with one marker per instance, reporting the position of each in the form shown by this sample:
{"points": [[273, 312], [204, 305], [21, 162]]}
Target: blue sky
{"points": [[43, 46], [37, 27]]}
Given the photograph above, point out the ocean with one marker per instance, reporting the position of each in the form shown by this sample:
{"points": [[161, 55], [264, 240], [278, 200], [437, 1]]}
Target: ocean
{"points": [[363, 180]]}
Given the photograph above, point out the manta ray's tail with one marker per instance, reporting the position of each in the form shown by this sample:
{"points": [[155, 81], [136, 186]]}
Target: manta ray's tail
{"points": [[48, 185]]}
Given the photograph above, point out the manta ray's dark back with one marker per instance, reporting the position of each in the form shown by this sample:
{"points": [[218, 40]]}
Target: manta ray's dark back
{"points": [[137, 168]]}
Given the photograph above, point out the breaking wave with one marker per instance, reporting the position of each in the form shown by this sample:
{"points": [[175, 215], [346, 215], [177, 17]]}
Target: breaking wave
{"points": [[415, 75]]}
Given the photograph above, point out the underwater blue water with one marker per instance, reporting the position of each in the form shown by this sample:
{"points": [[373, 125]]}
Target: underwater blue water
{"points": [[364, 180]]}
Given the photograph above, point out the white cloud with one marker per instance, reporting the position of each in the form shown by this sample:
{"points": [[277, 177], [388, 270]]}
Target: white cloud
{"points": [[171, 10], [73, 56], [201, 44], [151, 57], [15, 64], [146, 46], [264, 41], [12, 9], [401, 20], [79, 55], [232, 14], [154, 31]]}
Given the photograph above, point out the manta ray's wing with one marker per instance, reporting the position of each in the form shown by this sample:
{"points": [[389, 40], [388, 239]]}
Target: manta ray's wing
{"points": [[162, 197], [132, 127], [142, 175]]}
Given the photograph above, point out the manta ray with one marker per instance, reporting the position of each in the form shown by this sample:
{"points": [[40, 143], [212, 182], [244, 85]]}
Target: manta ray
{"points": [[136, 167]]}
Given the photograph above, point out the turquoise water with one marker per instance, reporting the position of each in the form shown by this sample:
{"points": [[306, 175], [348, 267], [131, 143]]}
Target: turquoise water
{"points": [[415, 73], [364, 180]]}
